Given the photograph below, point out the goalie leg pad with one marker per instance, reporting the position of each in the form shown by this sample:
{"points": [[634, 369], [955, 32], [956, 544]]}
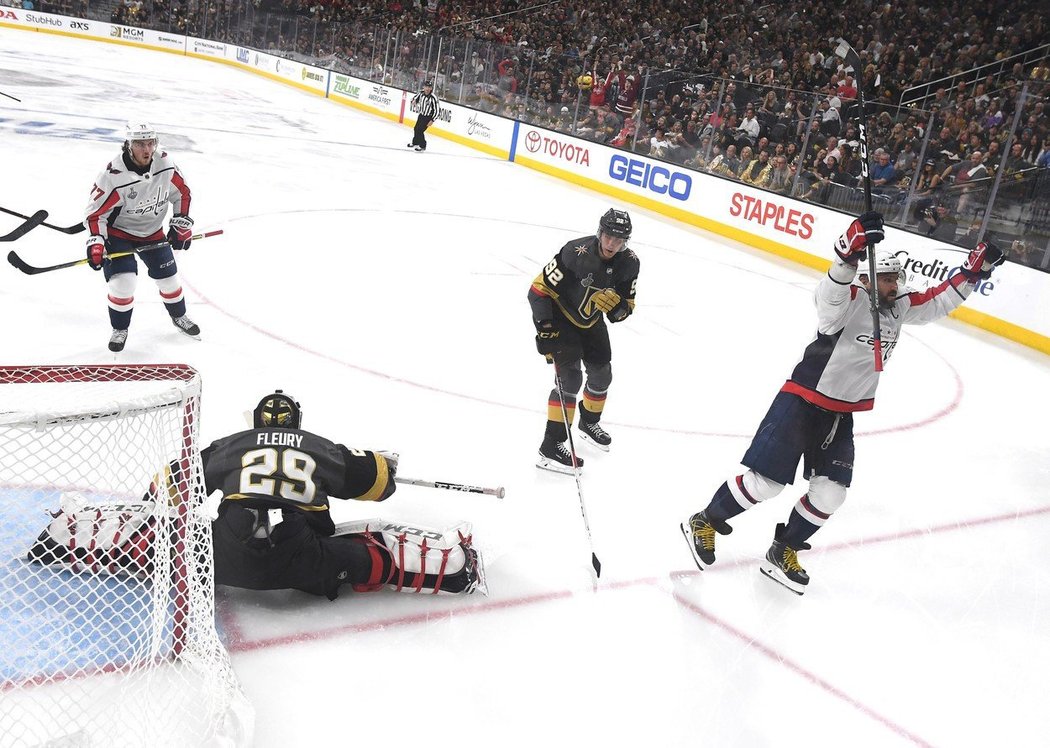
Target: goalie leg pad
{"points": [[98, 538], [421, 559]]}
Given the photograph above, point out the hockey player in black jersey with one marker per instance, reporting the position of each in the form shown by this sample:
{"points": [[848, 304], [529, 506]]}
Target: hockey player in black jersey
{"points": [[274, 529], [589, 277]]}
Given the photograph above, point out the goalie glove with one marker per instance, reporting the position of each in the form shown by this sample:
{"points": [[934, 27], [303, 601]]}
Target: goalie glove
{"points": [[392, 458], [862, 234], [982, 260]]}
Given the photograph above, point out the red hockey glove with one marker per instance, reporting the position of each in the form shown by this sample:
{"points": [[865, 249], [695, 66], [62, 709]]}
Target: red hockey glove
{"points": [[982, 260], [96, 252], [863, 233]]}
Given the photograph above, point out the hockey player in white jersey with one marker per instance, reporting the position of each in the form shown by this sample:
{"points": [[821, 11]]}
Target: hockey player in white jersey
{"points": [[129, 202], [811, 418]]}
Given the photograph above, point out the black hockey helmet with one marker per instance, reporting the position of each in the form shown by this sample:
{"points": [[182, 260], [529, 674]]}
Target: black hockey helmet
{"points": [[428, 83], [277, 411], [616, 223]]}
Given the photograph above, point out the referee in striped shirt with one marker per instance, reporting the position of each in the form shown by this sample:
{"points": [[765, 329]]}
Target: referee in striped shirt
{"points": [[426, 106]]}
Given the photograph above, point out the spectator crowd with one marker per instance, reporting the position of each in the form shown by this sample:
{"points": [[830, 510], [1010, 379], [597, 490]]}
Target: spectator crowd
{"points": [[750, 92]]}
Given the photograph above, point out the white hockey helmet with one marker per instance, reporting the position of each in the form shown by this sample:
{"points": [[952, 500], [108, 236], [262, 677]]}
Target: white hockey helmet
{"points": [[139, 131], [886, 262]]}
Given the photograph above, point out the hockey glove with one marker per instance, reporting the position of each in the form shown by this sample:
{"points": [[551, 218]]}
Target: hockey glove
{"points": [[548, 340], [606, 300], [392, 459], [865, 232], [96, 252], [981, 261], [180, 232]]}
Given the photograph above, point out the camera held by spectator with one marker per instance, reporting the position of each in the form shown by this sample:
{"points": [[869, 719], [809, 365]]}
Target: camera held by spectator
{"points": [[936, 221]]}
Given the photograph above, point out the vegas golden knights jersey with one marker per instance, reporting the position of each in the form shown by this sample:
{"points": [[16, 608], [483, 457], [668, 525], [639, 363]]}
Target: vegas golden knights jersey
{"points": [[576, 274], [291, 469]]}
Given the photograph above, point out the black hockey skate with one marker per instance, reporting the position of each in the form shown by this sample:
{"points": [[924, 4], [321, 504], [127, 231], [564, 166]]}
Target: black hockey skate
{"points": [[781, 563], [186, 325], [593, 433], [556, 457], [699, 533], [117, 339]]}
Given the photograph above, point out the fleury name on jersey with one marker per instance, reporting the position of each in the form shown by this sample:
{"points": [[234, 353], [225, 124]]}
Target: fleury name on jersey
{"points": [[279, 439]]}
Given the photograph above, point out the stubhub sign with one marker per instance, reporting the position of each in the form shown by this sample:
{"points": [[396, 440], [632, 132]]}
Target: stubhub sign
{"points": [[653, 177]]}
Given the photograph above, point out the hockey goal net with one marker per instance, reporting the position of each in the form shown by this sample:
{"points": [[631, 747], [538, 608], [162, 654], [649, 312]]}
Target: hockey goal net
{"points": [[107, 608]]}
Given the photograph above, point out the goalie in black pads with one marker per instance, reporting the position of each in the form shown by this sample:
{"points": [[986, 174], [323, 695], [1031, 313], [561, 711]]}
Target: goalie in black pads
{"points": [[589, 277], [274, 530], [811, 418]]}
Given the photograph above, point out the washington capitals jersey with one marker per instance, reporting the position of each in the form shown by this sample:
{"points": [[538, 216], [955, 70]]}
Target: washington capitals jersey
{"points": [[126, 204], [578, 272], [293, 469], [837, 370]]}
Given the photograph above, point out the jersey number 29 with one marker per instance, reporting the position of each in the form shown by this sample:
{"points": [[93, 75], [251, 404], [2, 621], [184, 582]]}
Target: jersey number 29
{"points": [[294, 480]]}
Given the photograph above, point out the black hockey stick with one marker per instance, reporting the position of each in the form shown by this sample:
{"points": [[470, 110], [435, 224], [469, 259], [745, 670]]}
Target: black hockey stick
{"points": [[10, 96], [499, 492], [30, 223], [76, 228], [576, 472], [28, 269], [851, 58]]}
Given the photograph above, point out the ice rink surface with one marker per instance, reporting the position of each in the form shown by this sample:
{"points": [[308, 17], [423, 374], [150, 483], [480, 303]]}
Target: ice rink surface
{"points": [[387, 289]]}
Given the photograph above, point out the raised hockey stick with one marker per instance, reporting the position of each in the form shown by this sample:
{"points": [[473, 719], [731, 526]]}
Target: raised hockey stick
{"points": [[76, 228], [30, 223], [851, 58], [28, 269], [595, 563], [499, 492]]}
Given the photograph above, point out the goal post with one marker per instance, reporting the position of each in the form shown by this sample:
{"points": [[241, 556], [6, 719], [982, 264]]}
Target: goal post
{"points": [[107, 596]]}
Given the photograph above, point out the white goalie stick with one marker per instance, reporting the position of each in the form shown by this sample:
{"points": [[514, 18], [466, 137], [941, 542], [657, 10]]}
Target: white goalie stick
{"points": [[851, 58], [499, 492]]}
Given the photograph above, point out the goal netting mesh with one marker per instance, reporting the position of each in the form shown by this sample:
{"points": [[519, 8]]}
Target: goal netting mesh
{"points": [[107, 607]]}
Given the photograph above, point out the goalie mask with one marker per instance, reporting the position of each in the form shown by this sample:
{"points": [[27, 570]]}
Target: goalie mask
{"points": [[277, 411]]}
